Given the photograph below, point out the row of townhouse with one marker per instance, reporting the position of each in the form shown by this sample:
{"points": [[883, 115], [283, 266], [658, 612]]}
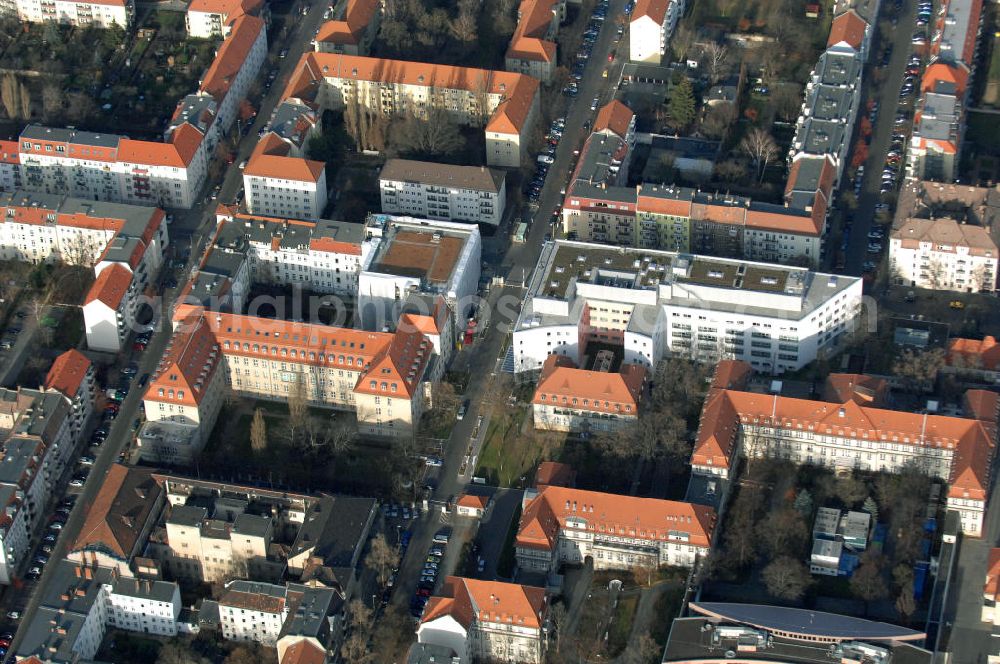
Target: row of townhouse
{"points": [[83, 13], [850, 432], [40, 430], [474, 194], [939, 119], [599, 207], [125, 245], [651, 303], [832, 97], [532, 49], [110, 577], [81, 601], [413, 277], [945, 237], [504, 103], [650, 27], [114, 168], [354, 32]]}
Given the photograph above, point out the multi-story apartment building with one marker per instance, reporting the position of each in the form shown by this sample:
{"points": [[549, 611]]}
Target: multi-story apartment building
{"points": [[417, 264], [103, 14], [943, 254], [486, 621], [849, 435], [40, 431], [354, 33], [118, 522], [650, 303], [80, 602], [587, 400], [474, 194], [212, 531], [532, 49], [109, 167], [833, 95], [10, 166], [598, 207], [561, 525], [936, 141], [279, 183], [206, 19], [506, 103], [945, 236], [650, 27], [72, 375], [261, 612]]}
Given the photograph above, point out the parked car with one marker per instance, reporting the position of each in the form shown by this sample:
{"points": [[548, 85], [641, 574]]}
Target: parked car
{"points": [[956, 304]]}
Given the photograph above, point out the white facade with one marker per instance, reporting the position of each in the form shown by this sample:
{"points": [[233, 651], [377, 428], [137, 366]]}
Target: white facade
{"points": [[138, 611], [943, 255], [281, 195], [678, 310], [447, 193], [647, 40], [99, 14]]}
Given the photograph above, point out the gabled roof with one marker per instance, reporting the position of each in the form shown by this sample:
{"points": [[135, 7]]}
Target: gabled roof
{"points": [[188, 364], [110, 286], [848, 28], [474, 502], [357, 17], [114, 521], [469, 600], [596, 391], [231, 56], [862, 389], [178, 153], [270, 160], [531, 48], [303, 652], [67, 373], [654, 9], [642, 518], [614, 117], [974, 354], [942, 72], [399, 368], [555, 474]]}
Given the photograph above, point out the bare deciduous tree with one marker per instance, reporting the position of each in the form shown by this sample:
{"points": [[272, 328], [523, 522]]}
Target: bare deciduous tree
{"points": [[760, 147], [382, 558], [786, 577], [717, 56], [258, 432]]}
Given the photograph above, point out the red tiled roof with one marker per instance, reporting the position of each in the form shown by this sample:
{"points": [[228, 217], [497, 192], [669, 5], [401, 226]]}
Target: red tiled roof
{"points": [[992, 586], [304, 652], [270, 160], [595, 391], [466, 600], [615, 117], [232, 54], [848, 28], [641, 518], [67, 373], [114, 521], [110, 286], [555, 474], [654, 9]]}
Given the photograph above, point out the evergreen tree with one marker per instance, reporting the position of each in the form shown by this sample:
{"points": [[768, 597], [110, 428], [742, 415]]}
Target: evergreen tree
{"points": [[681, 105]]}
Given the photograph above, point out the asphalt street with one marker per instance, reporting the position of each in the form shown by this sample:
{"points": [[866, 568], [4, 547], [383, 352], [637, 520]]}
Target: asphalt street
{"points": [[887, 94]]}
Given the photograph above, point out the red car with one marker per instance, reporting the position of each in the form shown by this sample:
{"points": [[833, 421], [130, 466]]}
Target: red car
{"points": [[112, 407], [138, 346]]}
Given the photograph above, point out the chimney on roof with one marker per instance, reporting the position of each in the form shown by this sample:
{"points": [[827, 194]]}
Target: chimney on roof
{"points": [[77, 570]]}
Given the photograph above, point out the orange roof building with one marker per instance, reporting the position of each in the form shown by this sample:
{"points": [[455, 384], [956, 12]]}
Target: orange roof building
{"points": [[71, 374], [215, 18], [507, 102], [481, 617], [848, 29], [554, 473], [563, 525], [615, 118], [650, 23], [353, 33], [853, 434], [281, 183], [571, 399], [973, 354], [532, 48], [117, 523]]}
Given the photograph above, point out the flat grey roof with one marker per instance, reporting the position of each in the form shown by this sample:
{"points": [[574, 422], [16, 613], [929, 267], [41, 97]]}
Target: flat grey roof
{"points": [[334, 528], [806, 622], [252, 525], [74, 136], [478, 178], [187, 515]]}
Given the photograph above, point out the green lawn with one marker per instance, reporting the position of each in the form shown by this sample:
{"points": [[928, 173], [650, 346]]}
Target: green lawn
{"points": [[991, 92], [507, 455]]}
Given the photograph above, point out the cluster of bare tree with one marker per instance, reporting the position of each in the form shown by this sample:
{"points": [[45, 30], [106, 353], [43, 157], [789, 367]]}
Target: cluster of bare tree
{"points": [[413, 31], [435, 137]]}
